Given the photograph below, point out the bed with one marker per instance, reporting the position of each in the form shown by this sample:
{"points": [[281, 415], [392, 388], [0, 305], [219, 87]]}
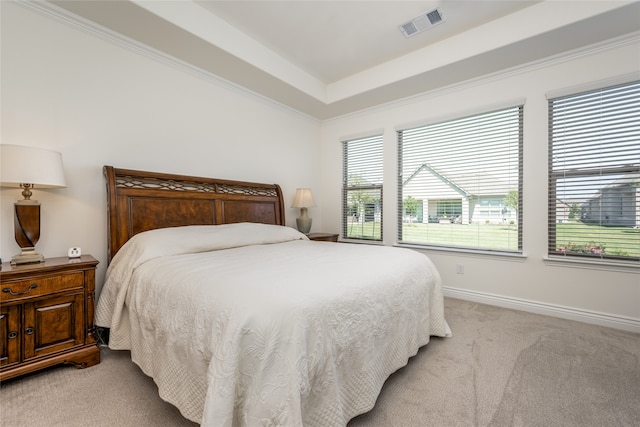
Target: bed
{"points": [[243, 321]]}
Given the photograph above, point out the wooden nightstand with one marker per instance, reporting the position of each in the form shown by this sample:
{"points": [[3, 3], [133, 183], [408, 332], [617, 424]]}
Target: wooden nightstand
{"points": [[326, 237], [46, 317]]}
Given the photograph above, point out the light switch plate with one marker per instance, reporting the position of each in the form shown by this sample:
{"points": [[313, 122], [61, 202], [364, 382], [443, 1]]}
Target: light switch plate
{"points": [[75, 252]]}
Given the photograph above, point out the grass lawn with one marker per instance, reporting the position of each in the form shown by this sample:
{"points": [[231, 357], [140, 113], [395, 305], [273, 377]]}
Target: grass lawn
{"points": [[366, 230], [477, 236], [624, 241]]}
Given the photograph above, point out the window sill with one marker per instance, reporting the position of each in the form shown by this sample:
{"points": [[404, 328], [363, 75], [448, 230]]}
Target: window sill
{"points": [[619, 266], [511, 256]]}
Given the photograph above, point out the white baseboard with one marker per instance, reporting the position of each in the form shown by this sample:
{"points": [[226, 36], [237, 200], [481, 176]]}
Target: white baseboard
{"points": [[602, 319]]}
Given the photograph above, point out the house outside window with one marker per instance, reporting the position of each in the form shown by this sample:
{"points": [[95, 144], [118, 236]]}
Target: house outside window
{"points": [[594, 174], [460, 184], [362, 188]]}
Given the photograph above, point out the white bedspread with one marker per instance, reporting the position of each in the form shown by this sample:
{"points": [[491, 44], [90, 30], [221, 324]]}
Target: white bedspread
{"points": [[255, 325]]}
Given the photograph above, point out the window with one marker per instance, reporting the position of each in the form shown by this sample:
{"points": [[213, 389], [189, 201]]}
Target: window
{"points": [[594, 174], [362, 189], [460, 184]]}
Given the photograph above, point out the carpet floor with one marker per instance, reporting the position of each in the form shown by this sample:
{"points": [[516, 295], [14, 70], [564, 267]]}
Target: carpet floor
{"points": [[501, 368]]}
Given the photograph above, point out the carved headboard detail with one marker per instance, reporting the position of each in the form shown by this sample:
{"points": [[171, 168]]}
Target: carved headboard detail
{"points": [[139, 201]]}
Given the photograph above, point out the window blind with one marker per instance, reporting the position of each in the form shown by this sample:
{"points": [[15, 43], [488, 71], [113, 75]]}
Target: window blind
{"points": [[362, 188], [594, 174], [460, 182]]}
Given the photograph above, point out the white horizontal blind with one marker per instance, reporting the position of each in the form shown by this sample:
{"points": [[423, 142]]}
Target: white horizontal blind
{"points": [[362, 188], [594, 174], [460, 183]]}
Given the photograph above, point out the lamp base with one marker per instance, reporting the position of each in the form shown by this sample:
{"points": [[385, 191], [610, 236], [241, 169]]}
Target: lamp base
{"points": [[27, 256], [303, 224]]}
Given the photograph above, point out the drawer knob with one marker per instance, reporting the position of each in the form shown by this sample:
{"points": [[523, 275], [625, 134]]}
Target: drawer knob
{"points": [[12, 334], [29, 289], [29, 331]]}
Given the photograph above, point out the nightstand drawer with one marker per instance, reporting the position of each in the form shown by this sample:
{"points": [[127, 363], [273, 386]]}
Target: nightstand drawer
{"points": [[47, 315], [41, 286]]}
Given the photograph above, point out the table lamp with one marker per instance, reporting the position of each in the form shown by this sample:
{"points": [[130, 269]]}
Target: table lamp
{"points": [[28, 168], [303, 200]]}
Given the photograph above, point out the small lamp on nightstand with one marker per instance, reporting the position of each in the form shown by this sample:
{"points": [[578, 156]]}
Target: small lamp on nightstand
{"points": [[303, 200], [28, 167]]}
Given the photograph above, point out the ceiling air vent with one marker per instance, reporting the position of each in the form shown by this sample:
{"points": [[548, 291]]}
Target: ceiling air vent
{"points": [[422, 22]]}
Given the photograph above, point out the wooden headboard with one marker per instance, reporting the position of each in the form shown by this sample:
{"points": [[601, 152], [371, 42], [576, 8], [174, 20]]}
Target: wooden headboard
{"points": [[139, 201]]}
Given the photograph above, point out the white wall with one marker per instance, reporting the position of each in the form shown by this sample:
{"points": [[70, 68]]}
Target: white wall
{"points": [[101, 104], [516, 281]]}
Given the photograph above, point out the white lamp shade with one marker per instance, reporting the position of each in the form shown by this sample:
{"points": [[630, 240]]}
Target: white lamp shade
{"points": [[303, 199], [29, 165]]}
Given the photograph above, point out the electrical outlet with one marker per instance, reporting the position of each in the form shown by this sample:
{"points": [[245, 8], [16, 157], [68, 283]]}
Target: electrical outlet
{"points": [[460, 268], [75, 252]]}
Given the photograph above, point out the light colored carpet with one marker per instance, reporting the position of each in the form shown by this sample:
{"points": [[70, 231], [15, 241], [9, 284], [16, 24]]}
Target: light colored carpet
{"points": [[501, 368], [509, 368]]}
